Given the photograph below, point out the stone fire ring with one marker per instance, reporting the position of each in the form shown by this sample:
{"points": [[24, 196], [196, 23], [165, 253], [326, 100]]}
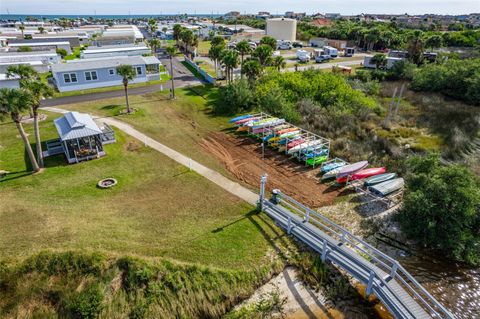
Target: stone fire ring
{"points": [[107, 183]]}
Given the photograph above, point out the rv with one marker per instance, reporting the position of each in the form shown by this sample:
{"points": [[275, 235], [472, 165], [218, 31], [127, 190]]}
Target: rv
{"points": [[331, 51], [349, 52]]}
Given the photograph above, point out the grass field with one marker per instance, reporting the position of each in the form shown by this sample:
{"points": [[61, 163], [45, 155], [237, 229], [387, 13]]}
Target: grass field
{"points": [[158, 209], [203, 47]]}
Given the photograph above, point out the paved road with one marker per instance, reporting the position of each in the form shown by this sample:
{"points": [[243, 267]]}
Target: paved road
{"points": [[183, 78], [217, 178]]}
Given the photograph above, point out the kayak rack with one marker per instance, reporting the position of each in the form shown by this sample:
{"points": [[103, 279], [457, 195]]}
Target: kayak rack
{"points": [[311, 140]]}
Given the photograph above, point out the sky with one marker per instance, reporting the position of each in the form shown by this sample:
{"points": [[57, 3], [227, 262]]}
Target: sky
{"points": [[104, 7]]}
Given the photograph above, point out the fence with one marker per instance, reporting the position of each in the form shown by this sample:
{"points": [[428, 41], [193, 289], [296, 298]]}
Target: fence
{"points": [[201, 71]]}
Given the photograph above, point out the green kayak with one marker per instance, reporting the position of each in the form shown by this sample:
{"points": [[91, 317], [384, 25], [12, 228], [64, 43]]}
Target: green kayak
{"points": [[317, 160]]}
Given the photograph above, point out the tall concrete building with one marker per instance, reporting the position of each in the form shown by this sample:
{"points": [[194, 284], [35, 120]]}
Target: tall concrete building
{"points": [[282, 29]]}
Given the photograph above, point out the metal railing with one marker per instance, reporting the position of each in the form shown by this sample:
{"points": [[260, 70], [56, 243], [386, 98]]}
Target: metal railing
{"points": [[371, 255]]}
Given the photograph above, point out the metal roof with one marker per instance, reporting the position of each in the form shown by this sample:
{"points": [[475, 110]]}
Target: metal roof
{"points": [[75, 125], [100, 63], [114, 49]]}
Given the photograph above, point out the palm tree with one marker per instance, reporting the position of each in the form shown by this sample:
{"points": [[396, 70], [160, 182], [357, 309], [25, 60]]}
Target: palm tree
{"points": [[177, 29], [379, 60], [13, 102], [230, 61], [271, 42], [217, 40], [154, 44], [187, 38], [22, 29], [23, 71], [415, 47], [41, 30], [152, 26], [279, 62], [215, 53], [243, 47], [252, 69], [171, 52], [127, 72], [264, 54], [38, 90]]}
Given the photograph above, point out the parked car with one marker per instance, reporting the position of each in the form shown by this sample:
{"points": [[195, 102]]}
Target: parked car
{"points": [[284, 45], [322, 58], [297, 44]]}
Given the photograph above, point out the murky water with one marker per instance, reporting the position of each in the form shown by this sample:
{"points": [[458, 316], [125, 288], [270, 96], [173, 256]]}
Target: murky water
{"points": [[455, 285]]}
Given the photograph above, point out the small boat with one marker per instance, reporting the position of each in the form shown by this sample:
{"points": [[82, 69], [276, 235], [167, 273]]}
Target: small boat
{"points": [[373, 180], [304, 145], [272, 122], [317, 160], [352, 168], [295, 143], [388, 187], [361, 174], [331, 174], [241, 117], [246, 120], [286, 130], [328, 167]]}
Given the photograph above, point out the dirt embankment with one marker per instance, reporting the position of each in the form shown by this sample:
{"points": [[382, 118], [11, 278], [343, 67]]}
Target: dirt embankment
{"points": [[242, 156]]}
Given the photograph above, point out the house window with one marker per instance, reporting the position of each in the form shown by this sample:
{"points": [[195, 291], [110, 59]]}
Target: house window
{"points": [[139, 70], [91, 75], [70, 77], [111, 71]]}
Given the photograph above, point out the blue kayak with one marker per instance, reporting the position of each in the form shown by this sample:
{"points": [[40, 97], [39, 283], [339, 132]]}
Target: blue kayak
{"points": [[332, 166], [238, 118]]}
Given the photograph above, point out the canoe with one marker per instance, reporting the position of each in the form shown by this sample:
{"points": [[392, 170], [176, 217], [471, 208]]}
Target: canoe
{"points": [[328, 167], [241, 117], [331, 174], [361, 174], [295, 143], [304, 145], [246, 120], [352, 168], [388, 187], [373, 180], [286, 130], [317, 160], [267, 123]]}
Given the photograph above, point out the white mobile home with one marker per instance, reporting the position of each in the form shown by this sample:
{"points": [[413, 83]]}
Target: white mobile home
{"points": [[101, 72], [9, 82], [42, 46], [46, 57], [114, 50]]}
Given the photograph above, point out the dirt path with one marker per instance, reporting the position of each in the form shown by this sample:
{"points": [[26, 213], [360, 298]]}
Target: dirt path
{"points": [[242, 156]]}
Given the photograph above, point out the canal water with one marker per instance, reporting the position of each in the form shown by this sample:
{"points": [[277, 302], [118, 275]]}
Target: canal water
{"points": [[455, 285]]}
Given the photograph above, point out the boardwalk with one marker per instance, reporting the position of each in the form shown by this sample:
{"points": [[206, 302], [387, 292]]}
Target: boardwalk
{"points": [[383, 276]]}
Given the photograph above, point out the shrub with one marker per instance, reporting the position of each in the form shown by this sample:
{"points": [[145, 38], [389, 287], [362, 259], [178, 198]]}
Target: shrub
{"points": [[442, 208], [234, 98], [86, 304], [24, 49], [62, 52], [402, 70]]}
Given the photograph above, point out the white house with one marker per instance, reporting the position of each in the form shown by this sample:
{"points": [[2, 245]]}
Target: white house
{"points": [[114, 50], [101, 72]]}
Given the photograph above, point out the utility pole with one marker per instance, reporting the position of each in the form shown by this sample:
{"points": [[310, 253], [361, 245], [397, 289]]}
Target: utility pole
{"points": [[386, 123], [398, 101]]}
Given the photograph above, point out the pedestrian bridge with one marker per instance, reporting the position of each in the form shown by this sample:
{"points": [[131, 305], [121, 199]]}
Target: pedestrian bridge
{"points": [[383, 276]]}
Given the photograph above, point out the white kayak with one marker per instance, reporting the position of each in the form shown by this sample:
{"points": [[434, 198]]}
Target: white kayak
{"points": [[304, 145]]}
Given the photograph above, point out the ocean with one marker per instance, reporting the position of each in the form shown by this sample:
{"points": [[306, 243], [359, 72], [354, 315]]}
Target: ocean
{"points": [[22, 17]]}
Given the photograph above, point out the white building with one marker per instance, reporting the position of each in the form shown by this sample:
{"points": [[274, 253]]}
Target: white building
{"points": [[114, 50], [282, 29]]}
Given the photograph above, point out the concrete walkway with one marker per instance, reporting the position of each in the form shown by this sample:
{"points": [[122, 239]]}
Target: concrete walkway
{"points": [[230, 186]]}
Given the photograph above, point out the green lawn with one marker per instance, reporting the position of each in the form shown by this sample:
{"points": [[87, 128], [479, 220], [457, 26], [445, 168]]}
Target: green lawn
{"points": [[74, 55], [203, 47], [158, 209], [180, 124]]}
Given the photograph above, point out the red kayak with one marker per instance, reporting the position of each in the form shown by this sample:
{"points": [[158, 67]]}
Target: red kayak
{"points": [[295, 143], [364, 173]]}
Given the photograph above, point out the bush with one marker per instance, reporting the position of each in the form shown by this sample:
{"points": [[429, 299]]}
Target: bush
{"points": [[86, 304], [442, 208], [455, 78], [62, 52], [402, 70], [234, 98]]}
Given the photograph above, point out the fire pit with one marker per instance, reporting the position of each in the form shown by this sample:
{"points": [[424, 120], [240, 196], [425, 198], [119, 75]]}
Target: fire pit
{"points": [[107, 183]]}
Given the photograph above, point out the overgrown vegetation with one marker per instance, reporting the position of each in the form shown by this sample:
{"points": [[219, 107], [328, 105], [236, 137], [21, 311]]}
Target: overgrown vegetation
{"points": [[442, 208], [77, 285]]}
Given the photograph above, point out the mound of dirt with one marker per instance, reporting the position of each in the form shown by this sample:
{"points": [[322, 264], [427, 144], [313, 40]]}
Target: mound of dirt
{"points": [[242, 156]]}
